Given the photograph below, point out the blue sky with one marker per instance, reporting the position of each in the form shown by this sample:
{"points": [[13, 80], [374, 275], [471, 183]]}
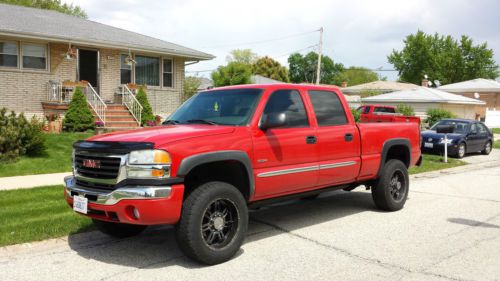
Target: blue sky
{"points": [[357, 32]]}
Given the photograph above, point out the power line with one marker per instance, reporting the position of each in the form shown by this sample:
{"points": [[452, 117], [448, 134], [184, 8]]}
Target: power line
{"points": [[262, 41]]}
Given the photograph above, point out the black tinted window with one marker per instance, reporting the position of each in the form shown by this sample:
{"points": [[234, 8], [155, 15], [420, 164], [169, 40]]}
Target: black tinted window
{"points": [[482, 129], [367, 110], [290, 103], [328, 108]]}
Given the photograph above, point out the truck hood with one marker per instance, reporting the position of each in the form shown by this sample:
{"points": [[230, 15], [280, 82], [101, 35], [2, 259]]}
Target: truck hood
{"points": [[165, 134]]}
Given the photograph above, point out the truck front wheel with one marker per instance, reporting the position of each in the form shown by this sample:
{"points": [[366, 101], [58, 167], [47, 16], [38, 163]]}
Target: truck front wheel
{"points": [[119, 230], [213, 223], [391, 190]]}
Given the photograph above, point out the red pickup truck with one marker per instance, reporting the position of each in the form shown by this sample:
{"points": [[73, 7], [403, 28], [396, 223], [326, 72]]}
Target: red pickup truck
{"points": [[230, 148], [383, 113]]}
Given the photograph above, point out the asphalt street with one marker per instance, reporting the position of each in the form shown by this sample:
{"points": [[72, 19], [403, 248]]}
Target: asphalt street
{"points": [[448, 230]]}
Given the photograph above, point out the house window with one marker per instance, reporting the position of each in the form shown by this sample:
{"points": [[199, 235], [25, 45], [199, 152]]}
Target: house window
{"points": [[125, 70], [34, 56], [167, 73], [8, 54], [147, 71]]}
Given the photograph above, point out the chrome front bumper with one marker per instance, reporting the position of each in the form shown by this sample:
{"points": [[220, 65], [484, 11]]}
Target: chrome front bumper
{"points": [[112, 197]]}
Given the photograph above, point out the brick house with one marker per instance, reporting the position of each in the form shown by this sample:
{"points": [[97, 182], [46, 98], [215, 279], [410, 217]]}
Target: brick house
{"points": [[45, 55]]}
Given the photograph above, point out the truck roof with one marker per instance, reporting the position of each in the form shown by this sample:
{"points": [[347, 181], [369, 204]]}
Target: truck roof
{"points": [[279, 86]]}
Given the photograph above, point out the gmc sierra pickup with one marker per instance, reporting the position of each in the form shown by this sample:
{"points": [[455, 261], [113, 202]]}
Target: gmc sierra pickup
{"points": [[229, 148]]}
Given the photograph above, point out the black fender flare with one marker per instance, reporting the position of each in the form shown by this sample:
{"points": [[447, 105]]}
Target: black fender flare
{"points": [[385, 150], [188, 163]]}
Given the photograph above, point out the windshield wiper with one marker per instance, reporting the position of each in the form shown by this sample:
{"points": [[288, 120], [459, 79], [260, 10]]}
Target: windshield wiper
{"points": [[170, 122], [202, 121]]}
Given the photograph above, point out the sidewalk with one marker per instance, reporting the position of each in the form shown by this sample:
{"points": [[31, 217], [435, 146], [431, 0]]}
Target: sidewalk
{"points": [[8, 183]]}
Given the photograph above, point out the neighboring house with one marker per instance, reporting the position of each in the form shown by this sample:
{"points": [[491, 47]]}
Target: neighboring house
{"points": [[381, 87], [205, 83], [423, 98], [259, 79], [44, 55], [482, 89]]}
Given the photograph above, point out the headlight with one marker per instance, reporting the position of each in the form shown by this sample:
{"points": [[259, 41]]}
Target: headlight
{"points": [[148, 164], [149, 157]]}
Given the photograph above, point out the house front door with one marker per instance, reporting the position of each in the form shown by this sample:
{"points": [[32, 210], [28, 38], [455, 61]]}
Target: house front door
{"points": [[88, 67]]}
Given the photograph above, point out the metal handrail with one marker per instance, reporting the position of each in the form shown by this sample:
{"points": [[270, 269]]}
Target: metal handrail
{"points": [[95, 101], [132, 104]]}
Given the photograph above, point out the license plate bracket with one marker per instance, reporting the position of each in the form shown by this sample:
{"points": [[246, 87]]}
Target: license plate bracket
{"points": [[80, 204]]}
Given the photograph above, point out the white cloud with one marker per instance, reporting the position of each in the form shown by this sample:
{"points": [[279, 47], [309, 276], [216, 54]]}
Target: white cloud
{"points": [[357, 32]]}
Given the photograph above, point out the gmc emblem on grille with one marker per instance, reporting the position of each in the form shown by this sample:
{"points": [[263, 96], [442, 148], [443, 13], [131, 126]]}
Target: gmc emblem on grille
{"points": [[90, 163]]}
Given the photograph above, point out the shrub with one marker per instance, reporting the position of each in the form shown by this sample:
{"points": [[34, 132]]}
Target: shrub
{"points": [[436, 114], [405, 109], [20, 137], [356, 114], [79, 117], [147, 112]]}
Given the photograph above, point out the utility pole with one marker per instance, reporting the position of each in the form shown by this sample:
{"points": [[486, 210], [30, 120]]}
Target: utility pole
{"points": [[318, 71]]}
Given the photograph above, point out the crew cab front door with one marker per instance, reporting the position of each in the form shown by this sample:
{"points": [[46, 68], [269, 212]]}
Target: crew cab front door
{"points": [[285, 158]]}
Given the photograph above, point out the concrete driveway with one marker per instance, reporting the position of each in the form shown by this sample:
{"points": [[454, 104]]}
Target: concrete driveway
{"points": [[448, 230]]}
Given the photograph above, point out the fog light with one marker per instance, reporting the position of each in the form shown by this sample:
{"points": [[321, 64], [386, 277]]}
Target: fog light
{"points": [[137, 215]]}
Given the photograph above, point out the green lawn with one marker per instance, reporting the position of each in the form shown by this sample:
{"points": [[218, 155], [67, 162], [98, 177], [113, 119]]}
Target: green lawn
{"points": [[435, 162], [37, 214], [496, 130], [57, 158], [497, 144]]}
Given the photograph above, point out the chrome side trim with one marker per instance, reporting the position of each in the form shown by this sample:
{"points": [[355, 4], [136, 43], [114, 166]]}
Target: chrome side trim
{"points": [[336, 165], [287, 171], [115, 196], [305, 169]]}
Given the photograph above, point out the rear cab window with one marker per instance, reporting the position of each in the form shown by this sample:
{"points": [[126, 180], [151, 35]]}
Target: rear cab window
{"points": [[328, 108]]}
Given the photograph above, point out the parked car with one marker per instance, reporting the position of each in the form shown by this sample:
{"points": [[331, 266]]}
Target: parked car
{"points": [[229, 148], [468, 136], [383, 113]]}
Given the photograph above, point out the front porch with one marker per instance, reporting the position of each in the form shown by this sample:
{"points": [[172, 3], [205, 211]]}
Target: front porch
{"points": [[121, 113]]}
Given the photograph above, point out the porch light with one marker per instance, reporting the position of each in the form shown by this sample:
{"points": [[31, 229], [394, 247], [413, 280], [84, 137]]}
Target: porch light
{"points": [[71, 53]]}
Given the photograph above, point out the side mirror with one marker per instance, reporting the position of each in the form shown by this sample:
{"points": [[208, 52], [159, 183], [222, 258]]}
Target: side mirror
{"points": [[445, 129], [273, 120]]}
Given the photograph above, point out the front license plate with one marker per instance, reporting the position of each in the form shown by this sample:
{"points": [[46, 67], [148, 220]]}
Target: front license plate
{"points": [[428, 145], [80, 204]]}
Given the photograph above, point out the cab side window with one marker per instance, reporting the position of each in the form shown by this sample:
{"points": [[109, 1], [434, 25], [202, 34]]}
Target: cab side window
{"points": [[290, 103], [328, 108]]}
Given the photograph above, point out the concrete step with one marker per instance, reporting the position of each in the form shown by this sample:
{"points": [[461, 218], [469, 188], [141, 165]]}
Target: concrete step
{"points": [[103, 130], [114, 124]]}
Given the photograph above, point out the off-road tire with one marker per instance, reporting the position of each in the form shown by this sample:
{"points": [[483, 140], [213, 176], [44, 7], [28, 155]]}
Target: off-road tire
{"points": [[383, 190], [118, 230], [487, 149], [191, 231]]}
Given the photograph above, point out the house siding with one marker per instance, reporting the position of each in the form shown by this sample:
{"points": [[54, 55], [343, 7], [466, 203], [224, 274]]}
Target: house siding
{"points": [[25, 90]]}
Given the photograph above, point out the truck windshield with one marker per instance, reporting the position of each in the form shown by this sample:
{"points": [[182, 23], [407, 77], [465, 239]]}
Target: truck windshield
{"points": [[224, 107]]}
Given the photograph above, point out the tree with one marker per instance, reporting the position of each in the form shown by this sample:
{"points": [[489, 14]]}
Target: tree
{"points": [[303, 68], [436, 114], [191, 85], [54, 5], [268, 67], [234, 73], [78, 118], [147, 111], [355, 75], [443, 58], [245, 56]]}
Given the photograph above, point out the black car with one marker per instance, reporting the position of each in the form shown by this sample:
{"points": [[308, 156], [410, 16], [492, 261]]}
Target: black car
{"points": [[468, 136]]}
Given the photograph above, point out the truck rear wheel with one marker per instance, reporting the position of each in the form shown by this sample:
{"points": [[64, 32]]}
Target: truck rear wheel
{"points": [[391, 190], [118, 230], [213, 223]]}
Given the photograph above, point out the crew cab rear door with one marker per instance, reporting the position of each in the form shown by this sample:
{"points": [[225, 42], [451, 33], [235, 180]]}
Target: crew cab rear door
{"points": [[338, 139], [285, 158]]}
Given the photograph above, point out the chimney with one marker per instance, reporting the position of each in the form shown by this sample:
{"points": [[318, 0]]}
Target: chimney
{"points": [[425, 83], [343, 85]]}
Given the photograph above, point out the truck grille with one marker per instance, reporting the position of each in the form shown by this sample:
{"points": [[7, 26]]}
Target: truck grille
{"points": [[97, 167]]}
